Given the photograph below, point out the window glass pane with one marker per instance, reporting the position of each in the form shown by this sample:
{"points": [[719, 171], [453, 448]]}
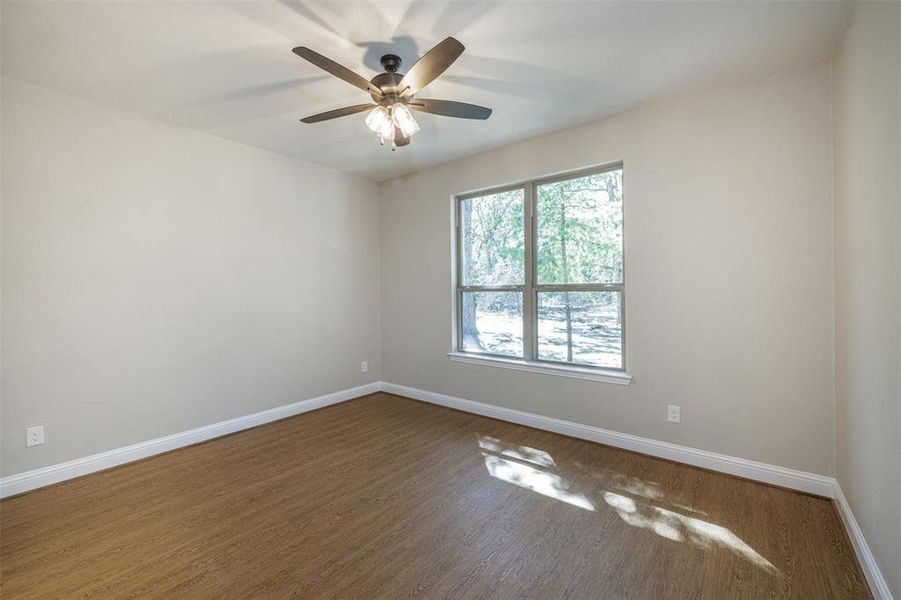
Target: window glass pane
{"points": [[492, 322], [580, 230], [492, 239], [580, 327]]}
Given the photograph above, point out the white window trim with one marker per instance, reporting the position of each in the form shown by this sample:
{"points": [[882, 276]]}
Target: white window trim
{"points": [[562, 370], [616, 376]]}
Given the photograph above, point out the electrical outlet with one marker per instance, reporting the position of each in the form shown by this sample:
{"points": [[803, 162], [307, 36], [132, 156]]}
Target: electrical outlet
{"points": [[34, 436], [673, 414], [364, 366]]}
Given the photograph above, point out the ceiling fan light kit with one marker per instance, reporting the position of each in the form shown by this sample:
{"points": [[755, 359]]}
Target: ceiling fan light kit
{"points": [[393, 93], [385, 122], [380, 122]]}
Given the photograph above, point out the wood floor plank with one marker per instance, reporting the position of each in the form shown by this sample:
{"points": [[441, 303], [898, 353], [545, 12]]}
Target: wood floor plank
{"points": [[386, 497]]}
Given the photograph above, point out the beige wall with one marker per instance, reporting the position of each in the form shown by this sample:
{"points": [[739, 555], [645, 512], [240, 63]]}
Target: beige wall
{"points": [[729, 272], [867, 76], [157, 279]]}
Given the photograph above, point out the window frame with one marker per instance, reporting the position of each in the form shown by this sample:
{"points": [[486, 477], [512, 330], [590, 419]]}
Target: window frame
{"points": [[530, 287]]}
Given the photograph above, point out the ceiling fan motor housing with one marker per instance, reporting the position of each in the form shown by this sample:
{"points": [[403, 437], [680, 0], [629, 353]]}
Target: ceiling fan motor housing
{"points": [[387, 82]]}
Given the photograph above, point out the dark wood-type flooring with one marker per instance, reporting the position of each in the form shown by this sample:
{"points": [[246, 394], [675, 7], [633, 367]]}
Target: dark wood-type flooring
{"points": [[386, 497]]}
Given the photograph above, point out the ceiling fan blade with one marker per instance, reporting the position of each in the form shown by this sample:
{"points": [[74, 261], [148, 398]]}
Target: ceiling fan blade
{"points": [[338, 112], [339, 71], [399, 139], [449, 108], [431, 65]]}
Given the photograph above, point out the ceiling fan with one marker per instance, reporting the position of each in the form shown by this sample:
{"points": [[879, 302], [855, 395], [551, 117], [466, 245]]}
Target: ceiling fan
{"points": [[393, 93]]}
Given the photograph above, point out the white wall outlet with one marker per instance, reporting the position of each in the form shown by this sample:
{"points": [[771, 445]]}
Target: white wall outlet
{"points": [[364, 366], [34, 436], [673, 414]]}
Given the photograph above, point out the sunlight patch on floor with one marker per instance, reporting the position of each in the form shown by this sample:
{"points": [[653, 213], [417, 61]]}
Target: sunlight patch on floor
{"points": [[525, 453], [528, 468], [530, 478], [680, 528], [536, 471]]}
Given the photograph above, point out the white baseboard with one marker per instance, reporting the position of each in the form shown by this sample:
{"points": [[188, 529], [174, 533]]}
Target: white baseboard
{"points": [[811, 483], [23, 482], [878, 584]]}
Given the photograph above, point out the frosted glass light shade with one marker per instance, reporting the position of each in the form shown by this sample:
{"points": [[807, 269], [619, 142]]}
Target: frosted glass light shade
{"points": [[404, 120], [380, 122]]}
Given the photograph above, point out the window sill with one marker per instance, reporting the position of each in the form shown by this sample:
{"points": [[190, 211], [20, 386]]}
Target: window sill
{"points": [[617, 377]]}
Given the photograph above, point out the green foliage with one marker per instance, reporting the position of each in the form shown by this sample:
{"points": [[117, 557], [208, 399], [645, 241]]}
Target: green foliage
{"points": [[579, 233], [580, 230]]}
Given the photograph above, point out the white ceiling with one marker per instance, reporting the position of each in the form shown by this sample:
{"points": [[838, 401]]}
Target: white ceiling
{"points": [[227, 68]]}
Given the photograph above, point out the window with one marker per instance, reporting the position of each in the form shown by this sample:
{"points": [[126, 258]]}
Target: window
{"points": [[540, 271]]}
